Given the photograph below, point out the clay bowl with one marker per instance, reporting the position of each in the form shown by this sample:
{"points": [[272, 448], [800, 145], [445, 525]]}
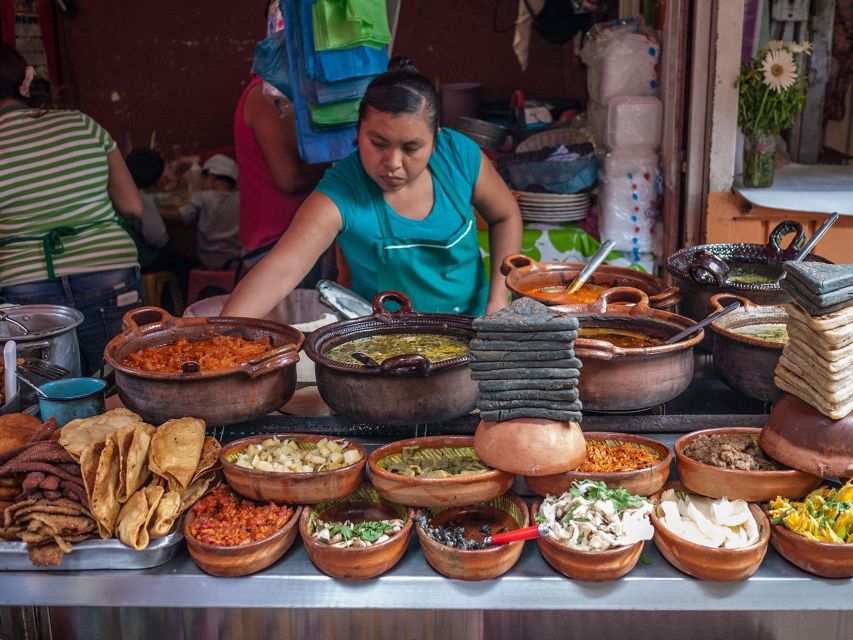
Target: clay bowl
{"points": [[292, 488], [707, 563], [546, 282], [746, 363], [590, 566], [642, 482], [752, 486], [530, 446], [820, 558], [356, 563], [479, 564], [243, 559], [435, 492]]}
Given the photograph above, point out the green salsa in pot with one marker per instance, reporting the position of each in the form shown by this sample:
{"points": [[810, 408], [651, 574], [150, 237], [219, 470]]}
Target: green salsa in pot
{"points": [[435, 347]]}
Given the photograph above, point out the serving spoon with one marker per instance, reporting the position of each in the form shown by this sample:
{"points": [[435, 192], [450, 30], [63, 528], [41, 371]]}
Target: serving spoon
{"points": [[365, 359], [593, 264], [818, 234], [702, 323]]}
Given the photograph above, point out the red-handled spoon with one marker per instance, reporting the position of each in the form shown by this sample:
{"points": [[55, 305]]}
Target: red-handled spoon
{"points": [[525, 533]]}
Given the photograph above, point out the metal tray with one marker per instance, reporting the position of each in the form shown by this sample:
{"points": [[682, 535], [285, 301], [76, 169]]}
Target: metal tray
{"points": [[96, 554]]}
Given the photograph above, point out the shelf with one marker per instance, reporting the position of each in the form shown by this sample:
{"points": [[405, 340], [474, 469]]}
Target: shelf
{"points": [[817, 188]]}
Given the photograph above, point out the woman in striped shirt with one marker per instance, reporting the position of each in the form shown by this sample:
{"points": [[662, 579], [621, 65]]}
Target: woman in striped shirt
{"points": [[62, 179]]}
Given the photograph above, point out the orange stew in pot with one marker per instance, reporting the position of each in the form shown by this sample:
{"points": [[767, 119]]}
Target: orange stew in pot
{"points": [[619, 338], [585, 295], [219, 352], [224, 520]]}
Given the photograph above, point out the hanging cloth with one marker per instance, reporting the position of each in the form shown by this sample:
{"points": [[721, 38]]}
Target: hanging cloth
{"points": [[342, 24], [334, 114], [439, 277]]}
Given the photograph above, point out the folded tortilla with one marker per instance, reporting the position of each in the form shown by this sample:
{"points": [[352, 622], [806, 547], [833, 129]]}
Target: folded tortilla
{"points": [[103, 501], [198, 488], [168, 510], [209, 457], [135, 516], [175, 451], [133, 442], [78, 434]]}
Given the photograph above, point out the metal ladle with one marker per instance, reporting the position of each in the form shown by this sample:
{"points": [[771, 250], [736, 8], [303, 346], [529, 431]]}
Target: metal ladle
{"points": [[30, 384], [593, 264], [702, 323], [365, 359], [818, 234]]}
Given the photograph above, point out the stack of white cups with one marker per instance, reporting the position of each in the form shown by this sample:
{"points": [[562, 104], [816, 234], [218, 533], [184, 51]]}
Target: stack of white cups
{"points": [[625, 116]]}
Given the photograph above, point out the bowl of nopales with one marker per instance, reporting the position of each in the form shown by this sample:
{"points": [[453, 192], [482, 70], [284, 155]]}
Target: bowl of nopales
{"points": [[709, 538], [296, 468], [596, 533], [816, 533]]}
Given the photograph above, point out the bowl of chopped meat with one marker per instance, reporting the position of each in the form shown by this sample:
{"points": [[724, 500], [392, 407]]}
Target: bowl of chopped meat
{"points": [[728, 462], [222, 370]]}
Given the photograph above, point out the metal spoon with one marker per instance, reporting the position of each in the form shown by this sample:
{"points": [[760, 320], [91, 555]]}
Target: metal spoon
{"points": [[363, 358], [31, 385], [818, 234], [593, 264], [702, 323]]}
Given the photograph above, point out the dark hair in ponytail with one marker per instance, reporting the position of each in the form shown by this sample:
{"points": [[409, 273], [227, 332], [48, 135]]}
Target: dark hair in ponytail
{"points": [[401, 89], [13, 70]]}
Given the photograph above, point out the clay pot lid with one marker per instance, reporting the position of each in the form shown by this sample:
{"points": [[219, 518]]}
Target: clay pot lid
{"points": [[801, 437], [530, 446]]}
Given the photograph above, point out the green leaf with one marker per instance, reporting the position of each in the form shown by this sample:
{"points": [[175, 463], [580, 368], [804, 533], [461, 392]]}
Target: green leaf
{"points": [[644, 559]]}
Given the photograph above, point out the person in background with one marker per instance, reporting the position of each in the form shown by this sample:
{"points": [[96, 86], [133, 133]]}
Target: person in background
{"points": [[150, 235], [400, 208], [274, 180], [62, 183], [216, 208]]}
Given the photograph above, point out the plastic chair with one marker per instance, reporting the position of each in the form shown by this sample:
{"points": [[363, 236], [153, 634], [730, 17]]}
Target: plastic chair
{"points": [[154, 285], [222, 281]]}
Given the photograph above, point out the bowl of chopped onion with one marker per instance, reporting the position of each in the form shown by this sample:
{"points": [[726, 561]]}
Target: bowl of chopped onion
{"points": [[620, 460], [359, 536], [297, 468]]}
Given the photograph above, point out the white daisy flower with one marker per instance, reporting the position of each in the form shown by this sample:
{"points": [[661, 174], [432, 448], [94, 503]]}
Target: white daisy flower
{"points": [[775, 45], [800, 47], [780, 70]]}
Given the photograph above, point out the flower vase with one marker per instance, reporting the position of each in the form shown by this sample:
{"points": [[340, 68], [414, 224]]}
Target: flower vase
{"points": [[759, 150]]}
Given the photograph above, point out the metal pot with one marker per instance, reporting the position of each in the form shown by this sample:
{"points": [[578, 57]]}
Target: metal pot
{"points": [[629, 379], [526, 277], [220, 397], [405, 389], [747, 363], [45, 332], [703, 271]]}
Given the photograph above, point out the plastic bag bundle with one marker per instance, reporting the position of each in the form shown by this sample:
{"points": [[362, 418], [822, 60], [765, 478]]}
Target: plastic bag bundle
{"points": [[634, 121], [621, 60], [630, 201]]}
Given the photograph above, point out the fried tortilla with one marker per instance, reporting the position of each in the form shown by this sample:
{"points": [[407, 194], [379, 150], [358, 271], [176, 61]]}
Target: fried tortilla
{"points": [[133, 442], [103, 500], [198, 488], [175, 451], [135, 516], [78, 434], [209, 457], [168, 510], [16, 429]]}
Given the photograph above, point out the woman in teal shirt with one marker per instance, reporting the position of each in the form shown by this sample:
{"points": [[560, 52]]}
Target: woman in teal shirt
{"points": [[401, 210]]}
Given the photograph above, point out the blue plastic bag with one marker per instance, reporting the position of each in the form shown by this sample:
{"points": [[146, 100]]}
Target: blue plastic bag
{"points": [[271, 64]]}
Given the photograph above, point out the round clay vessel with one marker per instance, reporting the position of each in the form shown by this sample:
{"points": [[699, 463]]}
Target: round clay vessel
{"points": [[477, 564], [356, 563], [590, 566], [737, 484], [801, 437], [641, 482], [530, 446], [820, 558], [243, 559], [418, 491], [709, 563], [291, 488]]}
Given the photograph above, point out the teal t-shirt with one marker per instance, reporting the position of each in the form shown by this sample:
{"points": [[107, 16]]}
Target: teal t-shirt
{"points": [[354, 193]]}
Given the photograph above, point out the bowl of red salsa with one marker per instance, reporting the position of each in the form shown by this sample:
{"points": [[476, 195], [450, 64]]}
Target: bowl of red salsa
{"points": [[231, 536]]}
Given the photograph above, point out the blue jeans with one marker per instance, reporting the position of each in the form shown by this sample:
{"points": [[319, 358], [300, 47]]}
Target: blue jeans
{"points": [[103, 297]]}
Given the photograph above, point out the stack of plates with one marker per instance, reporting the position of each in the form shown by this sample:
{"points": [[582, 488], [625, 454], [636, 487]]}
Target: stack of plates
{"points": [[552, 207], [485, 134]]}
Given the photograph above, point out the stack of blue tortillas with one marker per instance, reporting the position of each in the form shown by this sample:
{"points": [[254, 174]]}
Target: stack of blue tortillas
{"points": [[817, 363], [524, 362]]}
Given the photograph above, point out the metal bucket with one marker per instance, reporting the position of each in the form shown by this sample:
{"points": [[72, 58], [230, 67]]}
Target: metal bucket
{"points": [[48, 333]]}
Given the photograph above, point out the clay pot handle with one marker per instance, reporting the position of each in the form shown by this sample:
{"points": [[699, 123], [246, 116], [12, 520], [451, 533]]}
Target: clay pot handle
{"points": [[405, 364], [621, 294], [517, 261], [279, 357], [720, 300], [395, 296], [141, 316], [774, 249], [667, 298], [708, 268]]}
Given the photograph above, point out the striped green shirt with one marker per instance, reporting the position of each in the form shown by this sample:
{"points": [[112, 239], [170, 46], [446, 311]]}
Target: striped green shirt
{"points": [[54, 173]]}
